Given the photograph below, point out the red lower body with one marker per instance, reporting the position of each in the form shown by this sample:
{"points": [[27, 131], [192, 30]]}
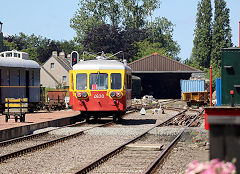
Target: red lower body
{"points": [[98, 101]]}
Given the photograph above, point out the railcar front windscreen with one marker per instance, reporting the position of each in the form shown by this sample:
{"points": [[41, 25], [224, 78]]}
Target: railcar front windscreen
{"points": [[98, 81], [81, 81]]}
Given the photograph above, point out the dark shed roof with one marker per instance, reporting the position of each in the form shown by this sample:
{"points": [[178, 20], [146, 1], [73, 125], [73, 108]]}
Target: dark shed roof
{"points": [[159, 63]]}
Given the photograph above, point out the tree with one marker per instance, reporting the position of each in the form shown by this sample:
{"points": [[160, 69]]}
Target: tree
{"points": [[112, 39], [104, 38], [221, 37], [146, 48], [119, 13], [201, 51], [93, 13], [161, 31]]}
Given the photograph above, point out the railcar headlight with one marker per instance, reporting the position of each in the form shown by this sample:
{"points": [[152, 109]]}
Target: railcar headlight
{"points": [[118, 94], [84, 94], [79, 94], [112, 94]]}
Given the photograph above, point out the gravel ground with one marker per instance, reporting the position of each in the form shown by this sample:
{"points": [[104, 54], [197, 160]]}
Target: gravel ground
{"points": [[73, 154], [182, 155], [194, 145], [64, 157], [55, 134]]}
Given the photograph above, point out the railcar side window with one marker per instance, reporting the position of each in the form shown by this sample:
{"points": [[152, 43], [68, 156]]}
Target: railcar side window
{"points": [[71, 80], [98, 81], [116, 81], [8, 54], [129, 80], [81, 81]]}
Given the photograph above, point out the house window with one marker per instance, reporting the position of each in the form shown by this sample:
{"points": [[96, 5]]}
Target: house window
{"points": [[64, 78], [52, 66]]}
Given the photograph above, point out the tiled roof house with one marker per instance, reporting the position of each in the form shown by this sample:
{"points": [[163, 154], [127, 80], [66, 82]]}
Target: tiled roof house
{"points": [[55, 71]]}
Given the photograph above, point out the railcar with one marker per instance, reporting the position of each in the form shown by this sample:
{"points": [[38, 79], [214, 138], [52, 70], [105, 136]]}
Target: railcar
{"points": [[100, 88], [19, 78]]}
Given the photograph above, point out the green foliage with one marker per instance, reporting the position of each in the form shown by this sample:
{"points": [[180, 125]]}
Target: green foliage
{"points": [[38, 47], [11, 45], [114, 25], [161, 31], [93, 13], [33, 54], [203, 35], [210, 37], [221, 33], [119, 13], [146, 48]]}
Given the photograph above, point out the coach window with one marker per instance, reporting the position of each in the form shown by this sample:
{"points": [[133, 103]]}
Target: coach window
{"points": [[116, 81], [98, 81], [81, 81], [32, 78], [8, 77], [18, 78]]}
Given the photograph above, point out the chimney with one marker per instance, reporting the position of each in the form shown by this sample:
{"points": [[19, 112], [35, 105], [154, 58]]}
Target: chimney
{"points": [[62, 55], [69, 57], [54, 54]]}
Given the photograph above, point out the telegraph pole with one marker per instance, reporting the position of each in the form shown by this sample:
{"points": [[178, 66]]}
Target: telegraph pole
{"points": [[1, 37]]}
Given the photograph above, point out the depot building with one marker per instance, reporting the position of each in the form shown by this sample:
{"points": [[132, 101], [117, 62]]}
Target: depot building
{"points": [[160, 76]]}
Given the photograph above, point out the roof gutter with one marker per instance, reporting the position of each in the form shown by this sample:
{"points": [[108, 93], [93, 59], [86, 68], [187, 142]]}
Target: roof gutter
{"points": [[161, 72]]}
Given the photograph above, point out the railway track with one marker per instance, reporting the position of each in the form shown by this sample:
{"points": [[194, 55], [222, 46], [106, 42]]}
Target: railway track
{"points": [[82, 141], [19, 146], [122, 153], [82, 123]]}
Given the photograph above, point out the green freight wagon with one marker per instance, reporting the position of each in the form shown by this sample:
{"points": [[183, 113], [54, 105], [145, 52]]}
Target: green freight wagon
{"points": [[230, 75]]}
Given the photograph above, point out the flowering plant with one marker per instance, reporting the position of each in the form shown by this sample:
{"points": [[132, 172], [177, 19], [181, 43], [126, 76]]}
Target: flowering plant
{"points": [[214, 166]]}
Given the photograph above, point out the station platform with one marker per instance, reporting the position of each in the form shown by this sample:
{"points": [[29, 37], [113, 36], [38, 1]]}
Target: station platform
{"points": [[34, 121]]}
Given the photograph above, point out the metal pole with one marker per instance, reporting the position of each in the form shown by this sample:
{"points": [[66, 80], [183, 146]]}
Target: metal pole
{"points": [[210, 85], [239, 34]]}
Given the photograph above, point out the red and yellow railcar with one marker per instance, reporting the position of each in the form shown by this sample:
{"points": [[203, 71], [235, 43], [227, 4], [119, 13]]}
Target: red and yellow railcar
{"points": [[100, 88]]}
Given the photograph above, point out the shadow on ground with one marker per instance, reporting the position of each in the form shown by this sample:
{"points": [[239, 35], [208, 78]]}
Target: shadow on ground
{"points": [[138, 122]]}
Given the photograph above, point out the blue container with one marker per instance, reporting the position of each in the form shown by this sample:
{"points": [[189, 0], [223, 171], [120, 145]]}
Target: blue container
{"points": [[192, 86], [218, 91]]}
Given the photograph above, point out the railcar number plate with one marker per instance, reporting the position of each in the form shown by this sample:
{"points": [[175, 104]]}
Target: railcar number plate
{"points": [[98, 96]]}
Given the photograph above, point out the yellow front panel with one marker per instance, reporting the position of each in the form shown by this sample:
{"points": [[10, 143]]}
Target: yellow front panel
{"points": [[72, 80]]}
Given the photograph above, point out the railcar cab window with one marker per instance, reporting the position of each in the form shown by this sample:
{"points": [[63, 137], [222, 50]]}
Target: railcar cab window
{"points": [[116, 81], [98, 81], [81, 81]]}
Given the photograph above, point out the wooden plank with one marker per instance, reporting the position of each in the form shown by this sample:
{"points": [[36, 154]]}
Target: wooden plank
{"points": [[16, 105], [145, 147], [16, 110]]}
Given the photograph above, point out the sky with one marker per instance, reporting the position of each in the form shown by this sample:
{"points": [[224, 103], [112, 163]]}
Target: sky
{"points": [[51, 19]]}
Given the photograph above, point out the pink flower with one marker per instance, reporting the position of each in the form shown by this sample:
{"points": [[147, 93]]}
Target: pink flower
{"points": [[214, 166]]}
